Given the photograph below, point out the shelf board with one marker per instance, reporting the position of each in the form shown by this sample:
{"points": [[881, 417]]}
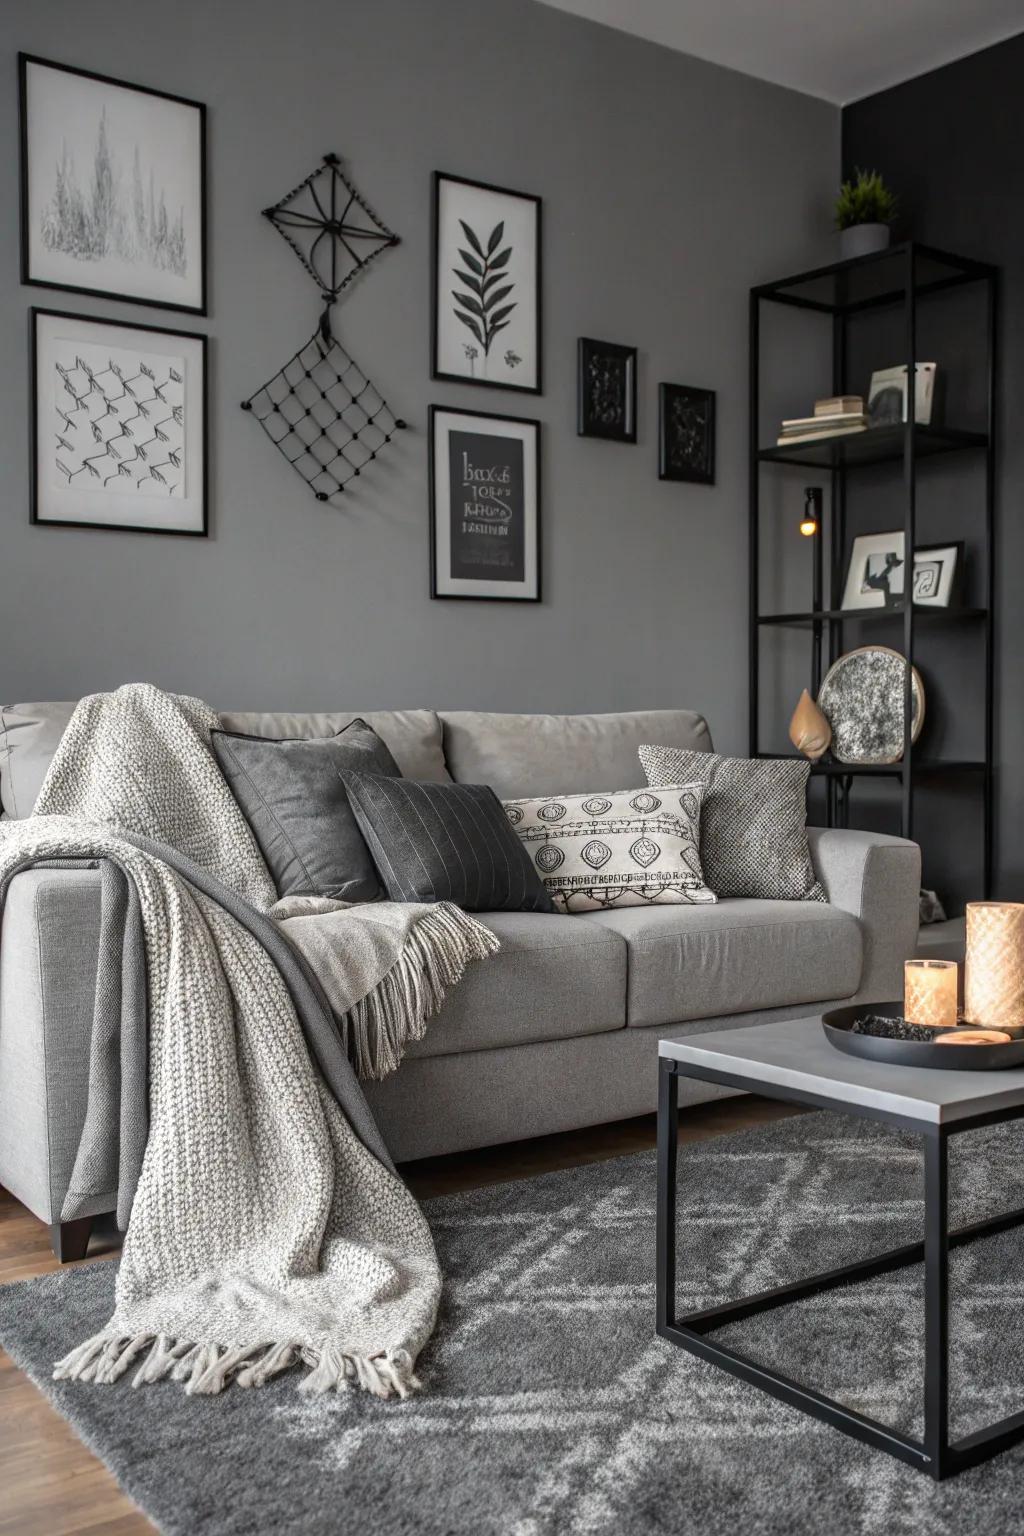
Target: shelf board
{"points": [[878, 445], [923, 766], [927, 611]]}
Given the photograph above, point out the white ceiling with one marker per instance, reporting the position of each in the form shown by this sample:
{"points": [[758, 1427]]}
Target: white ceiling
{"points": [[840, 50]]}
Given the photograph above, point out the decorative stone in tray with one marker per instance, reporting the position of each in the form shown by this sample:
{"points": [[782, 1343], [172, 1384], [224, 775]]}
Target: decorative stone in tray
{"points": [[880, 1033]]}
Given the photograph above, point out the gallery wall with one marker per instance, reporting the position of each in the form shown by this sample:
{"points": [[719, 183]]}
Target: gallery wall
{"points": [[948, 143], [669, 186]]}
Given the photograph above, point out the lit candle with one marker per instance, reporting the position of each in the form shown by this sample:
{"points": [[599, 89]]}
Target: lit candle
{"points": [[994, 984], [930, 993]]}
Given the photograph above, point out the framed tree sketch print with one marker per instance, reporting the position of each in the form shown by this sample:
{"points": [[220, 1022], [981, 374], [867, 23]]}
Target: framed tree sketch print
{"points": [[118, 425], [484, 506], [486, 285], [112, 188], [686, 434]]}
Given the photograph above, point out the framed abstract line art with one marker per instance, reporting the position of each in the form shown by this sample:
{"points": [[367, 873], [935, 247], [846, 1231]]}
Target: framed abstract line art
{"points": [[686, 434], [486, 285], [113, 188], [118, 425], [484, 506], [605, 390]]}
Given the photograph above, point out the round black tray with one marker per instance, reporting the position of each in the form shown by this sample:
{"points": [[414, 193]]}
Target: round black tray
{"points": [[838, 1026]]}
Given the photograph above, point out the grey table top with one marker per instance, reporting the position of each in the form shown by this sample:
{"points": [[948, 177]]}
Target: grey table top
{"points": [[796, 1054]]}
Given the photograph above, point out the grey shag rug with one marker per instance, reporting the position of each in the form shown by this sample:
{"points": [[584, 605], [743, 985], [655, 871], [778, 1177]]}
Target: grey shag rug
{"points": [[551, 1407]]}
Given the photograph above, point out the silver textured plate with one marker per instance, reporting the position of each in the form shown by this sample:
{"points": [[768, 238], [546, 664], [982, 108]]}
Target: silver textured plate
{"points": [[862, 700]]}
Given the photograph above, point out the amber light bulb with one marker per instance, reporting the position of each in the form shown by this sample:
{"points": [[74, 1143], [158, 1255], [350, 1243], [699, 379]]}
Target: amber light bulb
{"points": [[808, 527]]}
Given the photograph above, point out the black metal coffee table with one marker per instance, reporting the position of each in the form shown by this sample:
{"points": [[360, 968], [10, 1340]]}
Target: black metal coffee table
{"points": [[793, 1061]]}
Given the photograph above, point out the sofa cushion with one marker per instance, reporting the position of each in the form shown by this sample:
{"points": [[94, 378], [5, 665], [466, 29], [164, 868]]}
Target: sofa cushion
{"points": [[697, 962], [29, 734], [553, 978], [522, 756]]}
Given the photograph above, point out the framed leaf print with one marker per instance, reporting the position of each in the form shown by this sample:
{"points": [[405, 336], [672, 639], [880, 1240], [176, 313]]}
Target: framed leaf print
{"points": [[486, 285], [484, 506], [118, 425], [113, 188]]}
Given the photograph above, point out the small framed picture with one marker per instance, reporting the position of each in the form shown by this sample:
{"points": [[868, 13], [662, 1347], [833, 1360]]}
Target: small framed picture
{"points": [[118, 425], [113, 188], [486, 285], [484, 506], [887, 396], [876, 577], [605, 390], [686, 434]]}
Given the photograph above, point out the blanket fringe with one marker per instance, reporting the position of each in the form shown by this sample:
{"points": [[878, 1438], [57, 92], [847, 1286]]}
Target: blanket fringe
{"points": [[206, 1369], [380, 1026]]}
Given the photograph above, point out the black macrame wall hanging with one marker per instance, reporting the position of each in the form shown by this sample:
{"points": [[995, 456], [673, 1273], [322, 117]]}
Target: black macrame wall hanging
{"points": [[320, 409]]}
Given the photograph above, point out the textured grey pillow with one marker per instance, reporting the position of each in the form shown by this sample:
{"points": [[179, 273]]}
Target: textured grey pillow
{"points": [[292, 796], [445, 842], [753, 823]]}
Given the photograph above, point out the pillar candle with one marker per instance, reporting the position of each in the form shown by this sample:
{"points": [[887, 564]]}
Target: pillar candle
{"points": [[930, 993], [994, 983]]}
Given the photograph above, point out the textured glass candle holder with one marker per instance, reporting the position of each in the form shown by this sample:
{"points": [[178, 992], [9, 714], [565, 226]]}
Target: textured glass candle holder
{"points": [[930, 993], [994, 982]]}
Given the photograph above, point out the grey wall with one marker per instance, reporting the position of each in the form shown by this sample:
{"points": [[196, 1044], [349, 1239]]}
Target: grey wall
{"points": [[669, 186], [949, 143]]}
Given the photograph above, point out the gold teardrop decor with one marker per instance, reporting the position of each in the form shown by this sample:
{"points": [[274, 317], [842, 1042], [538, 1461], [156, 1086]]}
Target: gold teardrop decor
{"points": [[809, 731]]}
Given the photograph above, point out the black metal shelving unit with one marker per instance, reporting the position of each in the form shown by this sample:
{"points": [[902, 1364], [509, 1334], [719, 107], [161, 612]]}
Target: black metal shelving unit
{"points": [[896, 279]]}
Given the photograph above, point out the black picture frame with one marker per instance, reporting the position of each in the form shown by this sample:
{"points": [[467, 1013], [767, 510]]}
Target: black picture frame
{"points": [[686, 434], [955, 595], [439, 580], [534, 268], [605, 390], [37, 314], [27, 60]]}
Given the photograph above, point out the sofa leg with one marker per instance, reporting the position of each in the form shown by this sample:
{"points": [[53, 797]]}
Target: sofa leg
{"points": [[70, 1239]]}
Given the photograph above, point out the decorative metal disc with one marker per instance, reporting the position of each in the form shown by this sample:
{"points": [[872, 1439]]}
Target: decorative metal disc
{"points": [[324, 414], [862, 700], [332, 230]]}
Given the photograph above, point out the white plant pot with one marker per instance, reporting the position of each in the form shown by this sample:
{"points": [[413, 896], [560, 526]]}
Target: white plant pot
{"points": [[862, 240]]}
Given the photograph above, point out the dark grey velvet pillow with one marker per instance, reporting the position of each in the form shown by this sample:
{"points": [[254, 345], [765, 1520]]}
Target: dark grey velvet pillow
{"points": [[292, 796], [445, 842]]}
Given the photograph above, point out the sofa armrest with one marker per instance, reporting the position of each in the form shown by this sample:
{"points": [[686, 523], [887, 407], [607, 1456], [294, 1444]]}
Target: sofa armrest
{"points": [[878, 879], [49, 948]]}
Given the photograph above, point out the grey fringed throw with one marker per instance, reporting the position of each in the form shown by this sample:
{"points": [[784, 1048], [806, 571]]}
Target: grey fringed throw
{"points": [[268, 1227]]}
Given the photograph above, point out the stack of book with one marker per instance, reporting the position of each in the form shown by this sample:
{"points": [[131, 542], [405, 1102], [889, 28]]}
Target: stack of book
{"points": [[838, 416]]}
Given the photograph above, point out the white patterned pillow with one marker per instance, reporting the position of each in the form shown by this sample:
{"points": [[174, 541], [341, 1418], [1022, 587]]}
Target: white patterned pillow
{"points": [[623, 849]]}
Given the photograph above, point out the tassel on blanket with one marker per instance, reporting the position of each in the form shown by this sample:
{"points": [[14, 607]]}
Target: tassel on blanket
{"points": [[378, 1029], [206, 1369]]}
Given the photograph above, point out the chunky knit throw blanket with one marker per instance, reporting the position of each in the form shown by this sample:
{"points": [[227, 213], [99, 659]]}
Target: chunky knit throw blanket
{"points": [[265, 1231]]}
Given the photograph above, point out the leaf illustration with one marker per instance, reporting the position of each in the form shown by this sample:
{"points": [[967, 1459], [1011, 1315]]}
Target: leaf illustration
{"points": [[471, 237], [175, 375], [484, 284]]}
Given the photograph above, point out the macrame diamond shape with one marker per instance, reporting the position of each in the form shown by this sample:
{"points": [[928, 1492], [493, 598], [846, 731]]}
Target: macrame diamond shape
{"points": [[330, 227]]}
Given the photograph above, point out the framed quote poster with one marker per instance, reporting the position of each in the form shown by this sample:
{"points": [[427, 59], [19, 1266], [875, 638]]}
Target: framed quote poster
{"points": [[113, 188], [485, 301], [118, 425], [484, 506]]}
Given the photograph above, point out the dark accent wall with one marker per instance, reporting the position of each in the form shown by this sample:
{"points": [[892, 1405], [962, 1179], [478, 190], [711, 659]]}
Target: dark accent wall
{"points": [[670, 186], [949, 143]]}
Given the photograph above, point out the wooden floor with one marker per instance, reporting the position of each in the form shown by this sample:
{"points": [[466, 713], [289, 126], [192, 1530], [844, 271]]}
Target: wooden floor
{"points": [[52, 1486]]}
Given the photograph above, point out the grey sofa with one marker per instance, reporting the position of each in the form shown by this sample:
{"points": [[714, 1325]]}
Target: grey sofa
{"points": [[556, 1031]]}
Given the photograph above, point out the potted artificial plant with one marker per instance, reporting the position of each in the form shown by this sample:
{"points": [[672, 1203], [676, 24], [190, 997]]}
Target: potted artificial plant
{"points": [[865, 208]]}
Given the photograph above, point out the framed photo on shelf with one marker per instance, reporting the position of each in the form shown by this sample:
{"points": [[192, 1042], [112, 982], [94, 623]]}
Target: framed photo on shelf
{"points": [[484, 506], [605, 390], [113, 188], [486, 285], [876, 577], [119, 432], [887, 396], [686, 434]]}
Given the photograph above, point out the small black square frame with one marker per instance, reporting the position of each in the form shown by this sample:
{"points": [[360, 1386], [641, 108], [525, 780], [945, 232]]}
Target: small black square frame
{"points": [[686, 434], [605, 390]]}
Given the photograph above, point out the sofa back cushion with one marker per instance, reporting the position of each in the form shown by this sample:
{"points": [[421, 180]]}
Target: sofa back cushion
{"points": [[30, 733], [522, 756]]}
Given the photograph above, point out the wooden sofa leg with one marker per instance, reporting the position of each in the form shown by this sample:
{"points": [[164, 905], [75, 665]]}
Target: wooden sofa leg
{"points": [[70, 1239]]}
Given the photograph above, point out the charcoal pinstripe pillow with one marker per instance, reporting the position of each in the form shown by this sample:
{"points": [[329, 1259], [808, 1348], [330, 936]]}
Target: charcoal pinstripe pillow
{"points": [[445, 842], [753, 824]]}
